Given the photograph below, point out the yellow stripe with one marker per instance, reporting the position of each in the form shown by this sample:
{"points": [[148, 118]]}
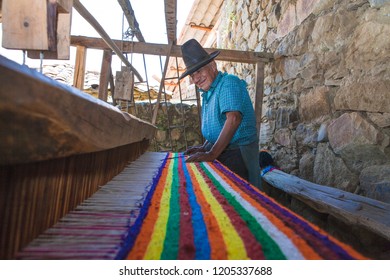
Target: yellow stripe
{"points": [[234, 245], [156, 244]]}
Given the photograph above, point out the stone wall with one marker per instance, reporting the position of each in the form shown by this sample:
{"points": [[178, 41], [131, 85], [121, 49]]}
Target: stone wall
{"points": [[326, 109], [178, 125]]}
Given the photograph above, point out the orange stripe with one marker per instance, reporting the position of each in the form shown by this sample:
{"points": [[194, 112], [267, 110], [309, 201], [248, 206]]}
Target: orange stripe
{"points": [[217, 245], [145, 234], [304, 248]]}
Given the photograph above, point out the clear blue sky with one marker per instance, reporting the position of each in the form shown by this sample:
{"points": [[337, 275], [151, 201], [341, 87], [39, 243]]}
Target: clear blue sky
{"points": [[151, 19]]}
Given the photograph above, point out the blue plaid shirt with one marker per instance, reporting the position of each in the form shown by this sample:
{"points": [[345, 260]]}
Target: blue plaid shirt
{"points": [[228, 93]]}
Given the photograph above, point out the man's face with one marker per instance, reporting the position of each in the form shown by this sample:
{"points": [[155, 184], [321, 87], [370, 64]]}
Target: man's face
{"points": [[204, 77]]}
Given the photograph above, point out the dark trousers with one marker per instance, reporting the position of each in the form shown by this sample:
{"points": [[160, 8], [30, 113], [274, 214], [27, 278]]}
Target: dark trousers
{"points": [[233, 160]]}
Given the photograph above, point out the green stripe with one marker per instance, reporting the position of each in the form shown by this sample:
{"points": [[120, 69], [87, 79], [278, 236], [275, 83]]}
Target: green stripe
{"points": [[171, 243], [270, 248]]}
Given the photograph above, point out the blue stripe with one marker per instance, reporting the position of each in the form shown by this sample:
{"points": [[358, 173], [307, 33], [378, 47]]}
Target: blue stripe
{"points": [[134, 230], [201, 239]]}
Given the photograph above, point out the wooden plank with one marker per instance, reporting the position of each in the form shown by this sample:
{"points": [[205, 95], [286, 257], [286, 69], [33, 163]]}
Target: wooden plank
{"points": [[259, 94], [162, 49], [79, 69], [52, 24], [63, 40], [41, 119], [124, 84], [63, 35], [65, 6], [105, 73], [170, 19], [155, 111], [95, 24], [25, 26], [353, 209]]}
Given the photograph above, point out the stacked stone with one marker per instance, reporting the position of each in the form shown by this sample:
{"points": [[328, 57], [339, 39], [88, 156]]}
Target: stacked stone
{"points": [[326, 110]]}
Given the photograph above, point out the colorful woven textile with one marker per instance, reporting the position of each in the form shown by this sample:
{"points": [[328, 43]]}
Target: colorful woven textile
{"points": [[204, 211]]}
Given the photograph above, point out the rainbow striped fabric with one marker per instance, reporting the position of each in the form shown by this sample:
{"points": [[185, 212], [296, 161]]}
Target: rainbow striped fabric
{"points": [[205, 211]]}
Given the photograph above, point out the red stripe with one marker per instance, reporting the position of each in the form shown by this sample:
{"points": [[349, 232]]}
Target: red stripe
{"points": [[253, 248], [186, 242], [320, 246]]}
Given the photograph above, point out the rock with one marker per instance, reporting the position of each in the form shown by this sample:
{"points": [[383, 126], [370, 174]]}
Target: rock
{"points": [[266, 132], [288, 21], [262, 30], [161, 135], [358, 142], [323, 133], [357, 94], [361, 52], [381, 120], [283, 137], [304, 9], [314, 104], [378, 3], [331, 171], [176, 134], [306, 166], [284, 116], [286, 159], [352, 129], [306, 135], [290, 68], [375, 182]]}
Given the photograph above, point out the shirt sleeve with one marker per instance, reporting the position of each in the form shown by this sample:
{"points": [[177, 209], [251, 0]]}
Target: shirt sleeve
{"points": [[232, 94]]}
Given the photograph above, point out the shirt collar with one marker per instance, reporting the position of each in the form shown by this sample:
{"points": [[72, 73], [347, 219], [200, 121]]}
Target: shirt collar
{"points": [[209, 92]]}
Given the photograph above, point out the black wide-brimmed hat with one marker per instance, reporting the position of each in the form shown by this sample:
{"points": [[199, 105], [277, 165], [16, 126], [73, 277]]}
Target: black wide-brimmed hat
{"points": [[195, 57]]}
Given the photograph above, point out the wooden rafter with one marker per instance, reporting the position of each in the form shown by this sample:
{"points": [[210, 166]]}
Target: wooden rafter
{"points": [[162, 49], [110, 43], [170, 19], [154, 118], [130, 16]]}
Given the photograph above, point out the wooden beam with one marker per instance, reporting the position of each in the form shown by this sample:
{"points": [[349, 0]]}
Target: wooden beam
{"points": [[170, 19], [259, 88], [63, 40], [65, 6], [350, 208], [162, 49], [89, 18], [132, 21], [201, 27], [105, 73], [79, 69], [154, 117], [42, 119]]}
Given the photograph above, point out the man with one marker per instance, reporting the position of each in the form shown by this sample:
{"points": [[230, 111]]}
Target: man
{"points": [[228, 118]]}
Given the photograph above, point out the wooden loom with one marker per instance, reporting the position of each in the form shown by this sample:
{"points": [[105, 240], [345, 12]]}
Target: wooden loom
{"points": [[67, 189], [58, 145]]}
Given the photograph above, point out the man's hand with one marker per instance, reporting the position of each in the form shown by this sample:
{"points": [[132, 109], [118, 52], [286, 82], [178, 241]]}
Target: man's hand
{"points": [[201, 156], [194, 150]]}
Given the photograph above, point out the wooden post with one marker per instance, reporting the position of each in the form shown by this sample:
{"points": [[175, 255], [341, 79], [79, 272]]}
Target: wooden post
{"points": [[79, 70], [112, 87], [259, 94], [154, 117], [105, 73]]}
